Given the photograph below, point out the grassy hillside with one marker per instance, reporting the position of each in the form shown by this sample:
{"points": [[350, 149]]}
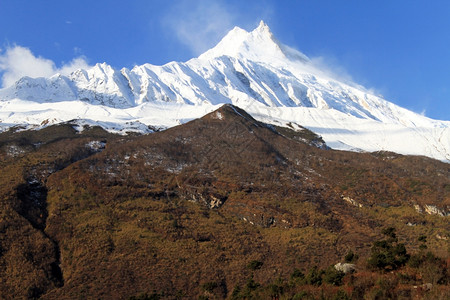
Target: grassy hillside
{"points": [[221, 207]]}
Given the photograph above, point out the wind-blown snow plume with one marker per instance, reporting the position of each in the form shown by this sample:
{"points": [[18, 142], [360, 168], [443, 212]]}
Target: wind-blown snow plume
{"points": [[200, 24], [17, 62]]}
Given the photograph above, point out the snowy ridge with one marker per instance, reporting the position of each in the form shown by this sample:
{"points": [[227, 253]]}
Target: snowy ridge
{"points": [[252, 70]]}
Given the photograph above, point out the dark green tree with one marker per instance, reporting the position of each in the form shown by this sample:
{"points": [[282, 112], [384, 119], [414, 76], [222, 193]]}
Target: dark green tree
{"points": [[333, 276], [351, 257], [388, 254], [314, 276]]}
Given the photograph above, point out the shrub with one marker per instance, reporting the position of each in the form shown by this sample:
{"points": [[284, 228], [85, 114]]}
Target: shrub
{"points": [[210, 286], [390, 232], [314, 276], [275, 290], [351, 257], [333, 276], [251, 285], [255, 265], [422, 238], [433, 269], [423, 242], [385, 289], [297, 274], [423, 247], [388, 254], [246, 292], [236, 294]]}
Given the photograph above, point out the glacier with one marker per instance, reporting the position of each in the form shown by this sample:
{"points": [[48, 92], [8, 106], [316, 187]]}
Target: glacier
{"points": [[276, 84]]}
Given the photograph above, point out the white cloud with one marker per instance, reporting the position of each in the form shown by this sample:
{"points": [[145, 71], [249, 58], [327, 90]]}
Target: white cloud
{"points": [[18, 61], [199, 24], [75, 64]]}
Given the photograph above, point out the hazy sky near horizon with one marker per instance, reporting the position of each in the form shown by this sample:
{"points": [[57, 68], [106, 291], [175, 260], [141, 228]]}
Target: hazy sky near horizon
{"points": [[398, 48]]}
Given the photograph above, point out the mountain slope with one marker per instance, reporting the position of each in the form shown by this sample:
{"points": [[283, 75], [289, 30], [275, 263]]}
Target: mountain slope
{"points": [[252, 70], [191, 210]]}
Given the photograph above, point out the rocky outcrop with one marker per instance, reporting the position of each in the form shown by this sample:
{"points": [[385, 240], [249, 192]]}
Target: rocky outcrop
{"points": [[345, 267]]}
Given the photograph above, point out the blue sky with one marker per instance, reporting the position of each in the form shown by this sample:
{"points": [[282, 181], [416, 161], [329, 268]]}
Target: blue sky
{"points": [[398, 48]]}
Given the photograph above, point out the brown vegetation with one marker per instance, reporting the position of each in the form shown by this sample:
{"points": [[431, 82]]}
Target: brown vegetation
{"points": [[216, 208]]}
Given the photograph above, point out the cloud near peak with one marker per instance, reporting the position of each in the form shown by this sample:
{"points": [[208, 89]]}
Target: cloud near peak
{"points": [[17, 62], [201, 24]]}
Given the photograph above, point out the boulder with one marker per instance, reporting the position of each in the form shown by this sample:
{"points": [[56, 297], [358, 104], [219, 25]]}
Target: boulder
{"points": [[345, 267]]}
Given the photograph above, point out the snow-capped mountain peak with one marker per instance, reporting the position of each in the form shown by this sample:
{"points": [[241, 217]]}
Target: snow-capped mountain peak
{"points": [[258, 45], [252, 70]]}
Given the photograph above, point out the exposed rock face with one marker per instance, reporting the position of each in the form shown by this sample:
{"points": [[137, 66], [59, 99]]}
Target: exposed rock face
{"points": [[345, 267], [432, 210], [352, 201]]}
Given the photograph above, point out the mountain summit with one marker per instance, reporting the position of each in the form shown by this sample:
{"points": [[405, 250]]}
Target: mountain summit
{"points": [[258, 45], [251, 70]]}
